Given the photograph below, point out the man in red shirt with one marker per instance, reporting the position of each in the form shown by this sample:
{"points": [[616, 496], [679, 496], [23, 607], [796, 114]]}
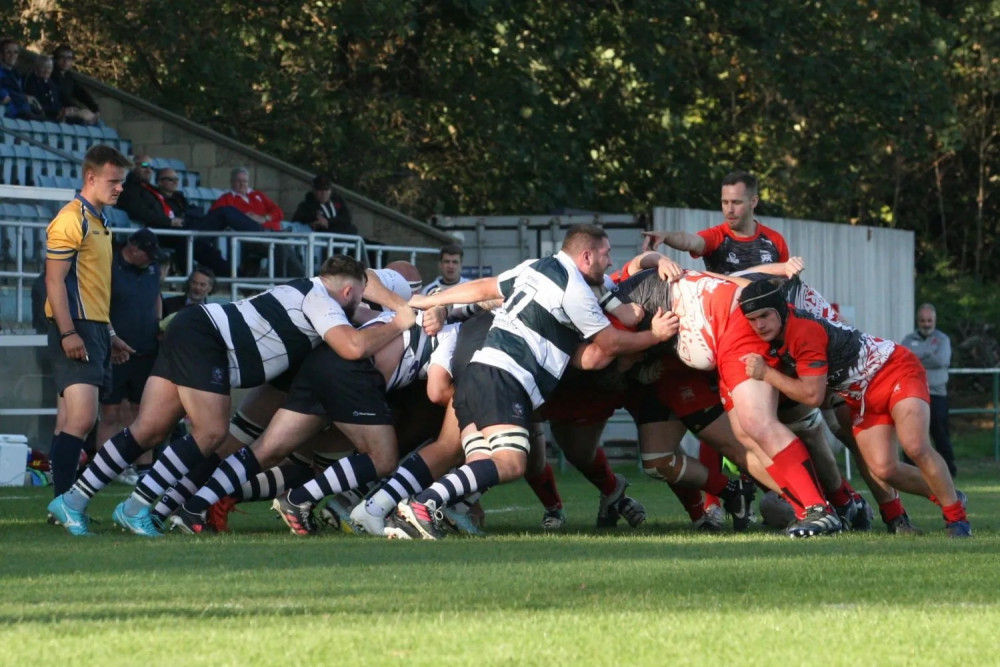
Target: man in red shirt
{"points": [[262, 209], [738, 243], [884, 384]]}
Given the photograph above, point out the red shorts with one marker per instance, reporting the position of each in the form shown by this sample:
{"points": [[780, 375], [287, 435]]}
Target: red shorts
{"points": [[685, 390], [902, 376], [738, 340]]}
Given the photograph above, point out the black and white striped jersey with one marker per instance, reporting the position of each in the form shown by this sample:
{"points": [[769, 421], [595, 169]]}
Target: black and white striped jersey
{"points": [[273, 330], [548, 309]]}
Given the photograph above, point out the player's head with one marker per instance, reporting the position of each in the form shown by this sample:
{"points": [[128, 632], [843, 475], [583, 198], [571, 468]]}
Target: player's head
{"points": [[345, 279], [739, 199], [450, 263], [104, 170], [766, 307], [590, 248], [926, 319], [409, 272]]}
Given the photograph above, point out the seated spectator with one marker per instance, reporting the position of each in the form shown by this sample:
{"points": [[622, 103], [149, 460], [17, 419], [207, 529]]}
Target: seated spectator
{"points": [[78, 105], [324, 210], [200, 284], [253, 203], [147, 206], [262, 209], [12, 93], [40, 86]]}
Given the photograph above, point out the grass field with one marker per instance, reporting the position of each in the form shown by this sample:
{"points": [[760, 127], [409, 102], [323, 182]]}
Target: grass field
{"points": [[654, 596]]}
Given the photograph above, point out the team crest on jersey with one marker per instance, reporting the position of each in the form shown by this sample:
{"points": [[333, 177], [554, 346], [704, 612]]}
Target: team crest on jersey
{"points": [[765, 257], [732, 258], [687, 394], [517, 410], [217, 375]]}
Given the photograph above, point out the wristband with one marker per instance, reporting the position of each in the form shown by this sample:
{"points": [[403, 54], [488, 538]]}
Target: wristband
{"points": [[111, 333], [71, 332]]}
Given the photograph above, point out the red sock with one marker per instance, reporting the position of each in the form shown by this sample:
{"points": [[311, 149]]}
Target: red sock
{"points": [[544, 486], [715, 483], [954, 512], [891, 510], [712, 460], [800, 511], [600, 474], [690, 500], [842, 495], [796, 468]]}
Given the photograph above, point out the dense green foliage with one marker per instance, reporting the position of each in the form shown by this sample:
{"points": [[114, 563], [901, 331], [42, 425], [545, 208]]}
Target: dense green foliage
{"points": [[858, 111], [663, 594]]}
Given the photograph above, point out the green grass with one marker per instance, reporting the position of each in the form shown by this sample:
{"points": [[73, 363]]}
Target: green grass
{"points": [[659, 595]]}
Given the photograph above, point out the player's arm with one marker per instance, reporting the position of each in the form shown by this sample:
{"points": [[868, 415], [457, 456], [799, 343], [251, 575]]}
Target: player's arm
{"points": [[440, 386], [590, 357], [474, 291], [353, 344], [793, 267], [665, 267], [685, 241], [377, 292], [614, 342], [806, 389]]}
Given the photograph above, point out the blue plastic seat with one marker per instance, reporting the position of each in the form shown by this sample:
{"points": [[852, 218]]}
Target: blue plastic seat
{"points": [[117, 217], [7, 162]]}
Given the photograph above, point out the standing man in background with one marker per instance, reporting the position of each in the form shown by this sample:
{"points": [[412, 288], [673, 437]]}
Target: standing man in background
{"points": [[933, 348], [450, 265], [82, 344]]}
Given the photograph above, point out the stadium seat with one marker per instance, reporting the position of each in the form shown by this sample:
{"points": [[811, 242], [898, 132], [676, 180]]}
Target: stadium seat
{"points": [[54, 136], [117, 217], [7, 162], [21, 157]]}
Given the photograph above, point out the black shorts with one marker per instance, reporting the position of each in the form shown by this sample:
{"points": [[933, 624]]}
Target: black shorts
{"points": [[416, 418], [643, 404], [352, 392], [129, 379], [96, 371], [471, 337], [193, 354], [488, 396]]}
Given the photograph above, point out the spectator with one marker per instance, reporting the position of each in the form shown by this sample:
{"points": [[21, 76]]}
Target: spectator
{"points": [[324, 210], [450, 265], [78, 105], [136, 309], [200, 284], [40, 86], [933, 348], [253, 203], [148, 206], [12, 93], [262, 209]]}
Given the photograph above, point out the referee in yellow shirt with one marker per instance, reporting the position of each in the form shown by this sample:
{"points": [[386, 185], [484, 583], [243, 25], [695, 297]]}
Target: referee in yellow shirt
{"points": [[78, 284]]}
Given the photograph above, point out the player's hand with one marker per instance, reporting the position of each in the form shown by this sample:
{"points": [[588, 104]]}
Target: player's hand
{"points": [[434, 319], [665, 324], [652, 240], [421, 302], [120, 350], [794, 266], [74, 348], [756, 366], [405, 318], [668, 269]]}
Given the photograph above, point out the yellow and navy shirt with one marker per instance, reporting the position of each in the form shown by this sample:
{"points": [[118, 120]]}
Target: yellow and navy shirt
{"points": [[79, 234]]}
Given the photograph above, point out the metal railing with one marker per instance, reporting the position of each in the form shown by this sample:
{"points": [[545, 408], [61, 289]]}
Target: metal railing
{"points": [[312, 246]]}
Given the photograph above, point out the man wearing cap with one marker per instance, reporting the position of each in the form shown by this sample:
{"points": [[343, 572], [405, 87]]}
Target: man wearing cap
{"points": [[883, 384], [136, 309], [82, 344]]}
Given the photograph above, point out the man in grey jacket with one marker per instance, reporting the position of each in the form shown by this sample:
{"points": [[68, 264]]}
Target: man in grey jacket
{"points": [[933, 348]]}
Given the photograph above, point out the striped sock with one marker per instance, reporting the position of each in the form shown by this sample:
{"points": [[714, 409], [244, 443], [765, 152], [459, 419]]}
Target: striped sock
{"points": [[229, 476], [117, 454], [476, 476], [186, 487], [347, 473], [411, 477], [272, 482], [180, 457]]}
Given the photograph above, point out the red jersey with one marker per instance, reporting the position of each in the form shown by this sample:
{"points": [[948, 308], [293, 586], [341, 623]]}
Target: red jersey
{"points": [[727, 253], [255, 202]]}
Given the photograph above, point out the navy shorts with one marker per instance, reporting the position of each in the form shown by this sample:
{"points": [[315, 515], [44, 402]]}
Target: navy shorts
{"points": [[193, 354], [351, 392], [97, 371], [129, 379], [488, 396]]}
